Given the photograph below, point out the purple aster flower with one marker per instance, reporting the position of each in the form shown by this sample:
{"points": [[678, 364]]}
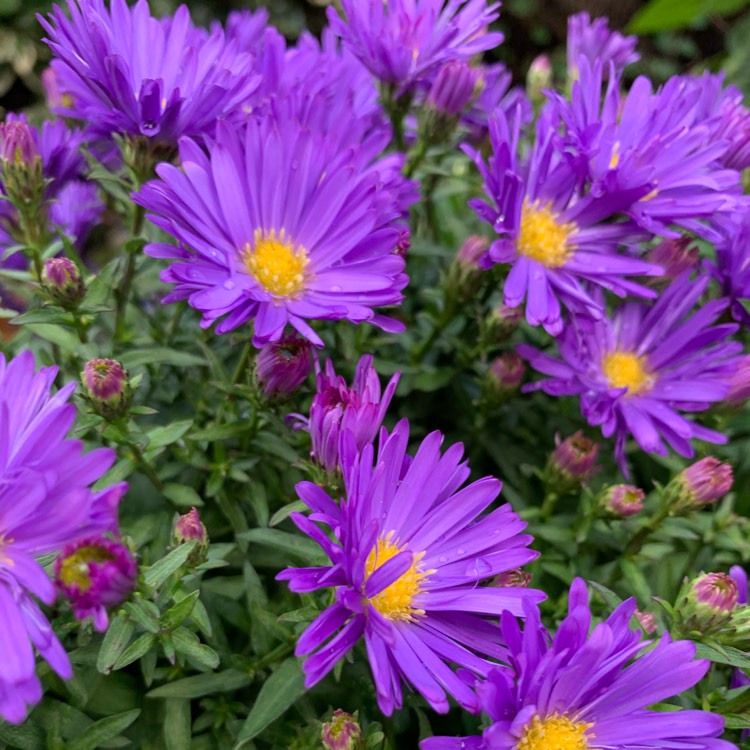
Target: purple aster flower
{"points": [[732, 267], [127, 72], [279, 226], [589, 692], [635, 372], [95, 574], [739, 678], [553, 235], [595, 41], [247, 27], [654, 140], [404, 41], [337, 408], [282, 366], [46, 502], [407, 555], [453, 88]]}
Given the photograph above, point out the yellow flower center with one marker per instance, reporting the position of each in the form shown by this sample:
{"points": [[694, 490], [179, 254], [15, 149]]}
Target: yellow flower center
{"points": [[542, 237], [627, 370], [554, 733], [276, 264], [74, 570], [395, 601]]}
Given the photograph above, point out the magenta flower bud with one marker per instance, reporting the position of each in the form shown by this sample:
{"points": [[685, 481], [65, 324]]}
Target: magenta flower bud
{"points": [[508, 370], [516, 578], [53, 93], [622, 500], [472, 251], [107, 387], [95, 574], [538, 78], [17, 144], [63, 283], [453, 88], [575, 457], [646, 620], [189, 527], [674, 256], [739, 384], [717, 591], [702, 483], [283, 365], [342, 732]]}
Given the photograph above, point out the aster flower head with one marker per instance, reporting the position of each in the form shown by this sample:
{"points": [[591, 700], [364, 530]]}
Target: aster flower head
{"points": [[408, 552], [702, 483], [402, 42], [732, 267], [311, 237], [739, 386], [657, 140], [342, 732], [636, 372], [126, 72], [453, 88], [595, 41], [338, 408], [95, 574], [552, 235], [46, 502], [622, 500], [575, 691], [63, 283], [282, 366]]}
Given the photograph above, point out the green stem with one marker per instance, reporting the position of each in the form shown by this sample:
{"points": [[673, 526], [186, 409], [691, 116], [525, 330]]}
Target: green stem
{"points": [[639, 538], [146, 467], [441, 324], [548, 504], [282, 650], [122, 293], [242, 364]]}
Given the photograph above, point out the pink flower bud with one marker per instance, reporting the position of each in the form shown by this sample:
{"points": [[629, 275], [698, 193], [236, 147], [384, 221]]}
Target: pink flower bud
{"points": [[453, 88], [107, 388], [283, 365], [576, 455], [704, 482], [623, 500], [646, 620], [472, 251], [188, 527], [718, 591], [63, 283], [538, 78], [17, 144], [342, 732], [674, 256]]}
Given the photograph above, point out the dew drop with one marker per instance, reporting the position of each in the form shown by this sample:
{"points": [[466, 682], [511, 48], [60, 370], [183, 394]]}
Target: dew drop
{"points": [[443, 559], [460, 551], [228, 285], [335, 288]]}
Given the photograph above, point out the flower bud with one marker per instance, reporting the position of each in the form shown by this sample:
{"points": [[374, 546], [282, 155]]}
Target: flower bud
{"points": [[500, 325], [718, 591], [94, 574], [22, 172], [403, 244], [646, 620], [705, 605], [283, 365], [17, 145], [516, 578], [571, 463], [342, 732], [739, 384], [538, 78], [465, 275], [453, 88], [107, 388], [702, 483], [63, 283], [188, 528], [53, 93], [622, 500], [674, 256], [504, 377]]}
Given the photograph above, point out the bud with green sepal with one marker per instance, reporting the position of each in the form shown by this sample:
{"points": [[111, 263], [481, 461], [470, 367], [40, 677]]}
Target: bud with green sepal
{"points": [[189, 528], [342, 732], [62, 283], [108, 390]]}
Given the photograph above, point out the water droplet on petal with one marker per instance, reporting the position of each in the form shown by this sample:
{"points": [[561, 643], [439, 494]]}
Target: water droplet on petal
{"points": [[229, 285], [335, 288]]}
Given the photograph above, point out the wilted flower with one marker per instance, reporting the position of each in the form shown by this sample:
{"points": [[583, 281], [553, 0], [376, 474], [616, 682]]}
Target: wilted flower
{"points": [[576, 691], [675, 256], [702, 483], [622, 500], [63, 283], [282, 366], [337, 408], [107, 387], [595, 41], [324, 252], [453, 88], [342, 732], [45, 503], [95, 574], [408, 552], [405, 41], [636, 372], [127, 72]]}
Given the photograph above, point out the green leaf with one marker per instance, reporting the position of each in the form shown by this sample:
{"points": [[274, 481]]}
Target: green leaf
{"points": [[177, 614], [662, 15], [115, 642], [43, 315], [278, 694], [182, 495], [145, 613], [136, 650], [187, 643], [201, 685], [159, 437], [101, 287], [103, 730], [283, 513], [723, 655], [291, 544], [64, 338], [177, 724], [24, 737], [160, 571], [159, 355]]}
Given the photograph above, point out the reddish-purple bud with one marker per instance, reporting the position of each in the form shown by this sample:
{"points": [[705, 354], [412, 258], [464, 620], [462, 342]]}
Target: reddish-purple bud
{"points": [[342, 732], [646, 620], [189, 527], [283, 365], [472, 251], [718, 591], [516, 578], [575, 456], [453, 88], [107, 387], [94, 574], [17, 144], [674, 256], [702, 483], [739, 385], [622, 500], [63, 283]]}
